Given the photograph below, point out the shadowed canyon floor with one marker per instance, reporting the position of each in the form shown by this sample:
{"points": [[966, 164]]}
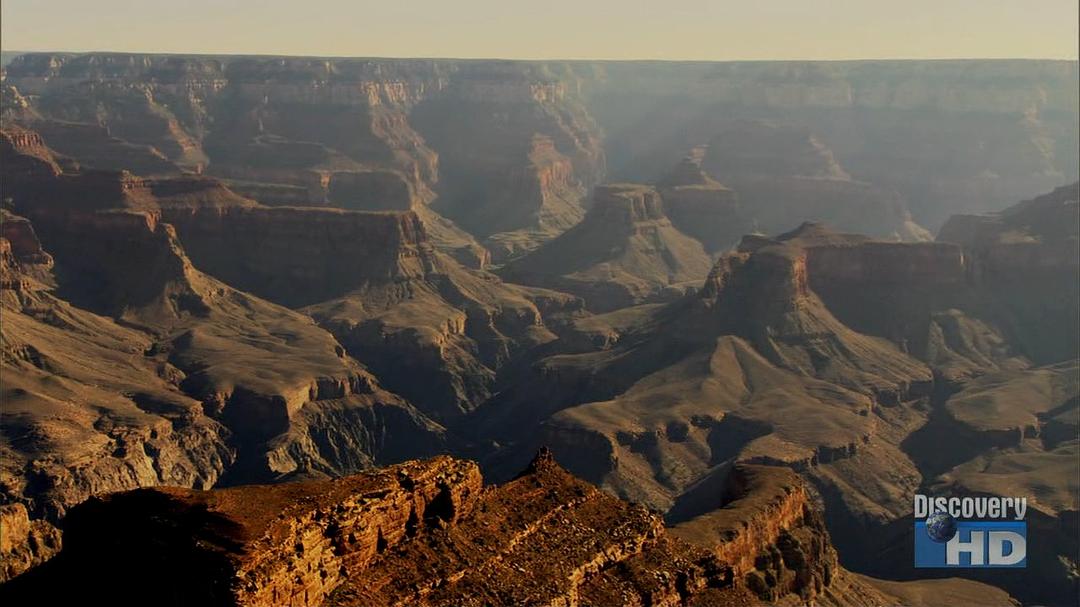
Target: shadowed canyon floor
{"points": [[260, 284]]}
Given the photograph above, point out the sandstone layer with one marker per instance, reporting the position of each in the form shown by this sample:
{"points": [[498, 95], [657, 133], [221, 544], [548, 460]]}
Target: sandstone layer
{"points": [[625, 252], [428, 533]]}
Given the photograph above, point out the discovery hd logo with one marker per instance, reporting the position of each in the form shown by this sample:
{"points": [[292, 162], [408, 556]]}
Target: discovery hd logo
{"points": [[970, 531]]}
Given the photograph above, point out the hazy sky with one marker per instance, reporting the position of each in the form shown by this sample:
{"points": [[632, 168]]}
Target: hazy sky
{"points": [[585, 29]]}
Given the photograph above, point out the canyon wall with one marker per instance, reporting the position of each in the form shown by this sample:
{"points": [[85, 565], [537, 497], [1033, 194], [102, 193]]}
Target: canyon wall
{"points": [[947, 136], [518, 152], [301, 256], [509, 149]]}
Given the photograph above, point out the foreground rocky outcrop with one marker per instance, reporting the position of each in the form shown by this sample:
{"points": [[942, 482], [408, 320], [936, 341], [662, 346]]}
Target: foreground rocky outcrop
{"points": [[25, 543], [429, 533]]}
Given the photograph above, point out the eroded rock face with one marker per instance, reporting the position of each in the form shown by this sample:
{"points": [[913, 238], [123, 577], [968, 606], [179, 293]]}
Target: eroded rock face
{"points": [[946, 136], [372, 191], [701, 206], [192, 381], [526, 178], [769, 534], [95, 147], [289, 544], [625, 251], [73, 429], [308, 131], [786, 175], [25, 543], [428, 533], [1022, 259], [734, 372], [301, 256], [757, 368], [374, 279]]}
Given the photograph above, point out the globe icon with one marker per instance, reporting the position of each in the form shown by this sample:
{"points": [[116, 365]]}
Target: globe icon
{"points": [[941, 527]]}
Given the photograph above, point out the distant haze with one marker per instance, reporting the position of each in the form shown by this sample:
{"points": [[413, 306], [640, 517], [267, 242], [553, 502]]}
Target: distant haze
{"points": [[555, 29]]}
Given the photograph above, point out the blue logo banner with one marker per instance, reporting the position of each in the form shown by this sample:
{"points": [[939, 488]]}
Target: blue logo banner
{"points": [[975, 544]]}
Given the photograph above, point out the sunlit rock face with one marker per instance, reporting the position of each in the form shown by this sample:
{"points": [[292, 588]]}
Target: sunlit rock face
{"points": [[430, 533]]}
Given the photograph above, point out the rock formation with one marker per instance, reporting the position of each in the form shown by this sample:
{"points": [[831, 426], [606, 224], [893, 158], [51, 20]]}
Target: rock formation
{"points": [[308, 131], [1014, 432], [948, 136], [527, 177], [756, 319], [786, 175], [1025, 261], [189, 378], [763, 365], [626, 251], [700, 206], [429, 533], [380, 284], [25, 543]]}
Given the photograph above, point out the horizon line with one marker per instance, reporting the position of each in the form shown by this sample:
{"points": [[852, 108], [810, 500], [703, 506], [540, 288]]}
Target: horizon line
{"points": [[537, 59]]}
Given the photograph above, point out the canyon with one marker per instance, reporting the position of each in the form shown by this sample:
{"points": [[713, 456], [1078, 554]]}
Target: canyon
{"points": [[304, 325]]}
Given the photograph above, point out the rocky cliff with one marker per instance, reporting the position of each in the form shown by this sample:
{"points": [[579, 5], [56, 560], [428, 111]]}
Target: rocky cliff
{"points": [[300, 256], [947, 136], [511, 148], [701, 206], [625, 251], [193, 382], [308, 131], [785, 175], [429, 533], [769, 534], [1023, 255]]}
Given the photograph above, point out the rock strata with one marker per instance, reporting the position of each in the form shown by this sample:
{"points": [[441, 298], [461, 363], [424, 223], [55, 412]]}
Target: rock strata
{"points": [[625, 251]]}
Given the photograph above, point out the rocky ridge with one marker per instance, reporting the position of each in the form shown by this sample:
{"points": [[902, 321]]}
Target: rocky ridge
{"points": [[429, 533]]}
